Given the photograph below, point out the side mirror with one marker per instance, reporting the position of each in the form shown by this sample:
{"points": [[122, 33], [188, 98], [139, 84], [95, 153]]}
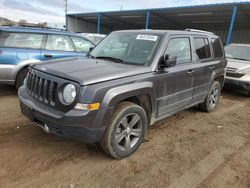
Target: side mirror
{"points": [[91, 48], [167, 61]]}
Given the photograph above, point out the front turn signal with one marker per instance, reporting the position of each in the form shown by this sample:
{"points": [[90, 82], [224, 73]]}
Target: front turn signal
{"points": [[89, 107]]}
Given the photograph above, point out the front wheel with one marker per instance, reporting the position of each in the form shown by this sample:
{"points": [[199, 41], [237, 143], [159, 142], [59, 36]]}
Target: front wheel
{"points": [[212, 98], [125, 132]]}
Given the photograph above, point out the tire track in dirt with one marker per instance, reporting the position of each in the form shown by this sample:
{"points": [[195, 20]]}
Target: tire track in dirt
{"points": [[208, 166]]}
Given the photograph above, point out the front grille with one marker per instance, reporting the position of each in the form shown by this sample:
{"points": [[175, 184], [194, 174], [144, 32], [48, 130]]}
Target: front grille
{"points": [[41, 88], [231, 69], [235, 74]]}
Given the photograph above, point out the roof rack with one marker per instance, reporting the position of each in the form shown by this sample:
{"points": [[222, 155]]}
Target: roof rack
{"points": [[37, 27], [199, 31]]}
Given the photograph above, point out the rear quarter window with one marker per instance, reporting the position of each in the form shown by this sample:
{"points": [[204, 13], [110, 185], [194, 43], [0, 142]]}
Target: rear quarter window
{"points": [[21, 40], [81, 44], [218, 49]]}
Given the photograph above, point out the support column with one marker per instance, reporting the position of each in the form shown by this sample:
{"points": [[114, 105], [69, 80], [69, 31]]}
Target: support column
{"points": [[75, 24], [229, 34], [99, 23], [147, 20], [66, 23]]}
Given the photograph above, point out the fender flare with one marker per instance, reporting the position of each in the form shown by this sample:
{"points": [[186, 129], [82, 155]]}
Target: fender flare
{"points": [[120, 93]]}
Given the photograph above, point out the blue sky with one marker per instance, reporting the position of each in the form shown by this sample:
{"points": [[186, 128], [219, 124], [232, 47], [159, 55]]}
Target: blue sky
{"points": [[52, 11]]}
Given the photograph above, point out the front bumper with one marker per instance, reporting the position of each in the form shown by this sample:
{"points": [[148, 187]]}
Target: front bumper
{"points": [[73, 124], [244, 85], [7, 74]]}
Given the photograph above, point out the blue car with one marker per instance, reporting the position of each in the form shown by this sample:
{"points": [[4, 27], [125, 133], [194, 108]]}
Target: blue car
{"points": [[21, 46]]}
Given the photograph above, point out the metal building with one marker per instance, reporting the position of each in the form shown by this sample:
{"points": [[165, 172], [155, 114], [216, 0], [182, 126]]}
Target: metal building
{"points": [[229, 20]]}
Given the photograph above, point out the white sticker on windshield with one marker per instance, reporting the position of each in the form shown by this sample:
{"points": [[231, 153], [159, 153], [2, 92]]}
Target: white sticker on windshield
{"points": [[147, 37]]}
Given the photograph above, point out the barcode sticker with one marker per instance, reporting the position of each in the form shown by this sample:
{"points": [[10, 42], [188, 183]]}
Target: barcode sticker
{"points": [[147, 37]]}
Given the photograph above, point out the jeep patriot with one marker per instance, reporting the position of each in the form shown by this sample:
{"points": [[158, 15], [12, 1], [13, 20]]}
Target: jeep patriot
{"points": [[129, 81]]}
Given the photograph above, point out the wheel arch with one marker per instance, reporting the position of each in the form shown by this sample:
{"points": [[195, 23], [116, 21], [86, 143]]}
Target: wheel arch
{"points": [[22, 66]]}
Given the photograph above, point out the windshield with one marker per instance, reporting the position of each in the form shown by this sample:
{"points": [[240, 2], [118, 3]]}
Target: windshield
{"points": [[238, 52], [129, 48]]}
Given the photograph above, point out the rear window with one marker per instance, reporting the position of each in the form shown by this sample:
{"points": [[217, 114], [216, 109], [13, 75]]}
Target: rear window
{"points": [[21, 40], [202, 48], [218, 51]]}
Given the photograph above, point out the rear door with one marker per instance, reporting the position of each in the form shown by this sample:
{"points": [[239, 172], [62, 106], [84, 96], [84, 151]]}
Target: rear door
{"points": [[17, 47], [175, 88], [206, 65], [58, 46]]}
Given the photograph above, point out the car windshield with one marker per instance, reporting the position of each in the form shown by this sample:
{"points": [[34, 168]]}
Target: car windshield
{"points": [[128, 48], [238, 52]]}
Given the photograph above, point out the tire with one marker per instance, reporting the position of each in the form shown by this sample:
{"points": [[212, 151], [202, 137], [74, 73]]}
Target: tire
{"points": [[124, 136], [212, 98], [20, 77]]}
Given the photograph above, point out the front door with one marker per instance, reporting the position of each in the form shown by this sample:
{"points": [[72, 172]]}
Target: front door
{"points": [[175, 84], [58, 46]]}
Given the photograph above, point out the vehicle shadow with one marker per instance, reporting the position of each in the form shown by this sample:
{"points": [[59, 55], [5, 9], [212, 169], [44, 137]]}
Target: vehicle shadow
{"points": [[7, 90], [233, 93]]}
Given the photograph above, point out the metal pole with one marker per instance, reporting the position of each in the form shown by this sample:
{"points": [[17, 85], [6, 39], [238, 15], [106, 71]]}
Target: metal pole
{"points": [[229, 34], [99, 23], [147, 19], [66, 13]]}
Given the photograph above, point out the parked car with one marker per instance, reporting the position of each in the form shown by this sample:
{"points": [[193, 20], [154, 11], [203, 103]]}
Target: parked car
{"points": [[129, 81], [238, 70], [21, 46], [94, 37]]}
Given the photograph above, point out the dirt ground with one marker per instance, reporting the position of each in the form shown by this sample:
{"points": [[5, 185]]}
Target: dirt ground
{"points": [[190, 149]]}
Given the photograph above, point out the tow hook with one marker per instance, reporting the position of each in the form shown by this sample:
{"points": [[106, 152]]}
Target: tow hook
{"points": [[46, 128]]}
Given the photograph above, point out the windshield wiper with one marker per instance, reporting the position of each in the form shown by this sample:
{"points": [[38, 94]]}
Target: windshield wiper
{"points": [[111, 58], [240, 58]]}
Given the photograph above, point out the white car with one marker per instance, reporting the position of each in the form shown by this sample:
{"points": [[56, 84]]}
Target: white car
{"points": [[238, 68], [94, 37]]}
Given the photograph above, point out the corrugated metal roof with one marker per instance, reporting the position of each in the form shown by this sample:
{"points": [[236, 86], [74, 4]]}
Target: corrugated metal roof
{"points": [[168, 8]]}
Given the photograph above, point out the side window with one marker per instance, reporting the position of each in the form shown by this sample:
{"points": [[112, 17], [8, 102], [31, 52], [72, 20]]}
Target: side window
{"points": [[202, 48], [81, 44], [218, 51], [180, 47], [21, 40], [59, 42]]}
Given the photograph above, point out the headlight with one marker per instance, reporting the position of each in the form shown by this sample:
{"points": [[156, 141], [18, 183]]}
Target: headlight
{"points": [[245, 71], [68, 94]]}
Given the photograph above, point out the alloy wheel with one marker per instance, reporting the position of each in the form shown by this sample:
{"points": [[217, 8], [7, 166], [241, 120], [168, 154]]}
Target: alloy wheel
{"points": [[128, 131]]}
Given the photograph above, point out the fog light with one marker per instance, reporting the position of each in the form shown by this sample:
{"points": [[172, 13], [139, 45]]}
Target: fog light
{"points": [[89, 107]]}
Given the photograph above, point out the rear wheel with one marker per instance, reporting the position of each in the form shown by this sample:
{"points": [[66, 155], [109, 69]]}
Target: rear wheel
{"points": [[212, 98], [20, 77], [126, 130]]}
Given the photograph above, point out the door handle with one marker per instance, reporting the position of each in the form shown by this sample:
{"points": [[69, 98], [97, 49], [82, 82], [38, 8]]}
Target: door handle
{"points": [[190, 72], [48, 55]]}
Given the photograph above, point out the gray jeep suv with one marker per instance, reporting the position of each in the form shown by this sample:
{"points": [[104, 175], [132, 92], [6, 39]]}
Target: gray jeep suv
{"points": [[129, 81]]}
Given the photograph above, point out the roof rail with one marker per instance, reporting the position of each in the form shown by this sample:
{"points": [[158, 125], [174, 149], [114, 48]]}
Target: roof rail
{"points": [[199, 31]]}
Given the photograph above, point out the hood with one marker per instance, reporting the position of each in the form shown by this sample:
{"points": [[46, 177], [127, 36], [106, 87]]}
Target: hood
{"points": [[237, 64], [89, 71]]}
